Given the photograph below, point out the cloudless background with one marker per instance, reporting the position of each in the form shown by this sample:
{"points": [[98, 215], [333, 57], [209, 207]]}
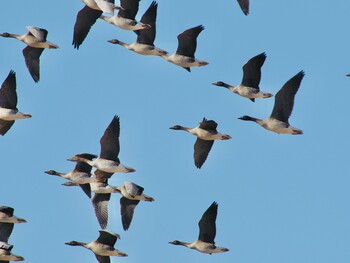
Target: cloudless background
{"points": [[282, 198]]}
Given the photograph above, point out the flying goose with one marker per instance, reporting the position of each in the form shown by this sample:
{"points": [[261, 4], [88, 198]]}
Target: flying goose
{"points": [[284, 101], [206, 134], [87, 17], [125, 19], [108, 160], [36, 43], [8, 104], [184, 55], [207, 233], [103, 246], [249, 87], [7, 221], [6, 255], [144, 44], [244, 4], [81, 174]]}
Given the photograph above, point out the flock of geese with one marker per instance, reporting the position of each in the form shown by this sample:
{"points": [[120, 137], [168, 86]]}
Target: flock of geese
{"points": [[107, 163]]}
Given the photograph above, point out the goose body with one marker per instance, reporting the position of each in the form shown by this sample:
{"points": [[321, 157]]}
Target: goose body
{"points": [[102, 247], [36, 43], [207, 233], [284, 101], [206, 134], [106, 6], [108, 160], [249, 87], [8, 104], [187, 45], [144, 44], [125, 19]]}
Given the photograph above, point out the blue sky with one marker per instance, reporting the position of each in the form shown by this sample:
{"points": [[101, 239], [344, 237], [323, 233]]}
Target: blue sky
{"points": [[281, 198]]}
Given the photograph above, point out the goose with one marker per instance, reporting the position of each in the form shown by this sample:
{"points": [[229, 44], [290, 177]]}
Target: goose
{"points": [[88, 16], [8, 104], [187, 44], [249, 87], [103, 246], [284, 101], [81, 174], [144, 44], [206, 134], [6, 255], [207, 233], [244, 4], [108, 160], [348, 75], [36, 43], [7, 221], [125, 19]]}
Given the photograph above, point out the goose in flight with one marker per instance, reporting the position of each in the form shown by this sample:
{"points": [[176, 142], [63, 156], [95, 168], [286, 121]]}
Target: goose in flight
{"points": [[125, 19], [206, 134], [207, 233], [144, 44], [88, 16], [249, 87], [8, 104], [187, 45], [36, 43], [102, 247], [108, 160], [7, 221], [284, 102]]}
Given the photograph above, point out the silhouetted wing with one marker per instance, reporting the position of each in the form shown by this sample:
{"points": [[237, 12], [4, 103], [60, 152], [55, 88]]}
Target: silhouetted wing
{"points": [[244, 4], [7, 210], [110, 141], [130, 8], [207, 227], [188, 41], [39, 33], [201, 151], [31, 56], [5, 126], [103, 259], [252, 71], [284, 99], [86, 189], [208, 125], [86, 18], [127, 208], [107, 238], [102, 175], [133, 189], [8, 94], [147, 36], [100, 203], [5, 231]]}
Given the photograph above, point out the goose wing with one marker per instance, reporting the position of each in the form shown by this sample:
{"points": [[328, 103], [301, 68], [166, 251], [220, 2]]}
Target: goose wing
{"points": [[208, 125], [82, 166], [38, 33], [103, 259], [244, 4], [5, 231], [86, 18], [284, 99], [207, 227], [147, 36], [106, 6], [127, 208], [188, 41], [7, 210], [201, 151], [131, 7], [252, 71], [133, 189], [107, 237], [110, 141], [5, 126], [32, 59], [8, 94], [100, 203], [102, 175]]}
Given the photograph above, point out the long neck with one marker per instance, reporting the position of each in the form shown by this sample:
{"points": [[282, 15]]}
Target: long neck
{"points": [[185, 244], [77, 243]]}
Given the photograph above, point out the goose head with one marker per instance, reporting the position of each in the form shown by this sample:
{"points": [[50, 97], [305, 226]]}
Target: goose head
{"points": [[220, 84], [177, 127]]}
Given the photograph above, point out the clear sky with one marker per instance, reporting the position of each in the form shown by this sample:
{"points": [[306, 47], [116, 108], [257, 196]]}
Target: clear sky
{"points": [[282, 198]]}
